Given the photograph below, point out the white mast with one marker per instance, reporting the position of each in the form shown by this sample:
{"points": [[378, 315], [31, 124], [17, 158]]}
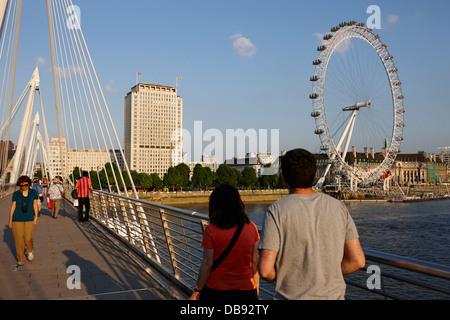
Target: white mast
{"points": [[26, 121]]}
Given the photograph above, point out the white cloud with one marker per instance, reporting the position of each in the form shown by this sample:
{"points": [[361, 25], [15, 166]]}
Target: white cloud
{"points": [[67, 72], [393, 19], [40, 61], [243, 46], [319, 37], [344, 46], [110, 87]]}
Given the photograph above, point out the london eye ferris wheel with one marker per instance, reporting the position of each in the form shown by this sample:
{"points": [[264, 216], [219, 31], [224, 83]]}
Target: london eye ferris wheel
{"points": [[357, 102]]}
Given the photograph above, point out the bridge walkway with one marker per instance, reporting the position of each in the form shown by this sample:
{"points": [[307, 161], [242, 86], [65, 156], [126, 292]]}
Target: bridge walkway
{"points": [[107, 271]]}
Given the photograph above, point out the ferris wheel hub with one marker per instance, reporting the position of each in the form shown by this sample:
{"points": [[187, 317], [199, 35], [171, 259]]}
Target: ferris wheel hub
{"points": [[357, 106]]}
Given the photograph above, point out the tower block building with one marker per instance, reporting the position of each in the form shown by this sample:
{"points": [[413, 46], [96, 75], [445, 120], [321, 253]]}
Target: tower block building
{"points": [[152, 129]]}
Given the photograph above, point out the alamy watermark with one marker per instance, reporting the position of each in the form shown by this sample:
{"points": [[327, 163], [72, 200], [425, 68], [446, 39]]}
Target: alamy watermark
{"points": [[233, 144], [74, 280], [374, 280], [374, 21], [74, 17]]}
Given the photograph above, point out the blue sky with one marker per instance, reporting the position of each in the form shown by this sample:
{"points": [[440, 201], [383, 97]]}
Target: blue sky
{"points": [[266, 84]]}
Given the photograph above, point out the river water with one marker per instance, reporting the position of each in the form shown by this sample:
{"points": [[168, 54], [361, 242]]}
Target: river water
{"points": [[418, 230]]}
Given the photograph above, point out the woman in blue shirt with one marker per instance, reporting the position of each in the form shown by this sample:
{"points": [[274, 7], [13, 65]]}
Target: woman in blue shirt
{"points": [[23, 218]]}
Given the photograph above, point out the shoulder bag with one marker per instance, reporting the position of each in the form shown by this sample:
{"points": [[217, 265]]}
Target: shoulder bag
{"points": [[228, 249]]}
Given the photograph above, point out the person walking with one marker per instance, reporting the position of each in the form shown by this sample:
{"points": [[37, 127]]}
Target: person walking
{"points": [[309, 240], [233, 274], [40, 191], [23, 218], [56, 193], [45, 186], [83, 186]]}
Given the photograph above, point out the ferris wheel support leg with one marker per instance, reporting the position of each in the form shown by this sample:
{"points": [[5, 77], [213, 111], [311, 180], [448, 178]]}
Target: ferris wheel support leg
{"points": [[320, 182], [350, 126], [352, 121]]}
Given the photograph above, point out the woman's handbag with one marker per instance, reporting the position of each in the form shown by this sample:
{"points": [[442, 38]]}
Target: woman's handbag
{"points": [[50, 203]]}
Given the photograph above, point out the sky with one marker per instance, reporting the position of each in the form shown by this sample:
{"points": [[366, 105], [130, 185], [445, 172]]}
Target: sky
{"points": [[245, 63]]}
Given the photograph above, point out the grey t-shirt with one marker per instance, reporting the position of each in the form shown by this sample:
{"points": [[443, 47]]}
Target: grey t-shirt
{"points": [[308, 233]]}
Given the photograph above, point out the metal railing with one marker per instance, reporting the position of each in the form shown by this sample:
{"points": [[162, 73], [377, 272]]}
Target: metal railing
{"points": [[170, 240]]}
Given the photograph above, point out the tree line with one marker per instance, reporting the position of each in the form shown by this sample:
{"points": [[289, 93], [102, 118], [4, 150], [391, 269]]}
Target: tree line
{"points": [[179, 177]]}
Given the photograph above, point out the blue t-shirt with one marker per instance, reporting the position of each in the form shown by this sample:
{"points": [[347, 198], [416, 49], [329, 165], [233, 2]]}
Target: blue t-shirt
{"points": [[19, 215], [39, 189]]}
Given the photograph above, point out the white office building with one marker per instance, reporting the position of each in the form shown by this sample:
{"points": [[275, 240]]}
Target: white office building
{"points": [[64, 160], [152, 128]]}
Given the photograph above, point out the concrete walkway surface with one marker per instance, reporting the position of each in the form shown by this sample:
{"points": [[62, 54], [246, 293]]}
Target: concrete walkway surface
{"points": [[67, 250]]}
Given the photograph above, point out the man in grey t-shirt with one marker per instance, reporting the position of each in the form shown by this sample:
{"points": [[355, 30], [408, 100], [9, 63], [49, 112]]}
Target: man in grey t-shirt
{"points": [[309, 240]]}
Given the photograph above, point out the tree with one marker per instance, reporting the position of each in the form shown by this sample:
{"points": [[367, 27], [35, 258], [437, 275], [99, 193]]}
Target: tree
{"points": [[38, 174], [126, 178], [249, 177], [94, 180], [76, 173], [135, 177], [209, 177], [145, 180], [199, 176], [156, 180], [184, 171], [269, 181], [238, 175], [226, 174], [172, 178]]}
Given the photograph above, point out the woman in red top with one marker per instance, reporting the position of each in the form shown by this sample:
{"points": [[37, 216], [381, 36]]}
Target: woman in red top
{"points": [[236, 277]]}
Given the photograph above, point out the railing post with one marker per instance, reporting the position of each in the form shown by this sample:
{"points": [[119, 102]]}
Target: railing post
{"points": [[103, 209], [147, 235], [126, 222], [165, 226]]}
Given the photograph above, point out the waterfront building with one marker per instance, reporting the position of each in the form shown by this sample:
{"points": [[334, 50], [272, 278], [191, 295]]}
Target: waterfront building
{"points": [[152, 128], [7, 153], [445, 155], [85, 159], [58, 155], [408, 169], [116, 153]]}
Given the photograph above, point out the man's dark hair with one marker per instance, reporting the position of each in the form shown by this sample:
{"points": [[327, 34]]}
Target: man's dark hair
{"points": [[85, 174], [226, 208], [299, 168]]}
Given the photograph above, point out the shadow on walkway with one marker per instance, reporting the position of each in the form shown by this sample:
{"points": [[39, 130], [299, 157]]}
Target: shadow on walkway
{"points": [[103, 269]]}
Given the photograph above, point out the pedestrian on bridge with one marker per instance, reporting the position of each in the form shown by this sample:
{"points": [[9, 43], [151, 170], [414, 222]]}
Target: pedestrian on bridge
{"points": [[40, 190], [309, 240], [56, 193], [83, 186], [23, 218], [229, 269]]}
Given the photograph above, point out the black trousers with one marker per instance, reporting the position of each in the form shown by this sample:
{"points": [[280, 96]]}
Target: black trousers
{"points": [[87, 205]]}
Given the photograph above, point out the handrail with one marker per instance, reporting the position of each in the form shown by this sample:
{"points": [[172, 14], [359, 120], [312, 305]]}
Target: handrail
{"points": [[424, 267], [170, 239]]}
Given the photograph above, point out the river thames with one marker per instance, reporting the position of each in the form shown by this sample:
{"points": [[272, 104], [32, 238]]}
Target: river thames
{"points": [[418, 230]]}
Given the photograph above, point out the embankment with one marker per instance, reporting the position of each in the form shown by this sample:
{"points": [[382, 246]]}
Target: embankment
{"points": [[186, 197]]}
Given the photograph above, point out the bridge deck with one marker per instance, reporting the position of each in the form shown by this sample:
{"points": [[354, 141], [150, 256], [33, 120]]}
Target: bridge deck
{"points": [[107, 271]]}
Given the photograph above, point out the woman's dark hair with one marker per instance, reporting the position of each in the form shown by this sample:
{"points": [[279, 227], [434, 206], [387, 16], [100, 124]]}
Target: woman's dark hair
{"points": [[23, 179], [299, 168], [226, 208]]}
